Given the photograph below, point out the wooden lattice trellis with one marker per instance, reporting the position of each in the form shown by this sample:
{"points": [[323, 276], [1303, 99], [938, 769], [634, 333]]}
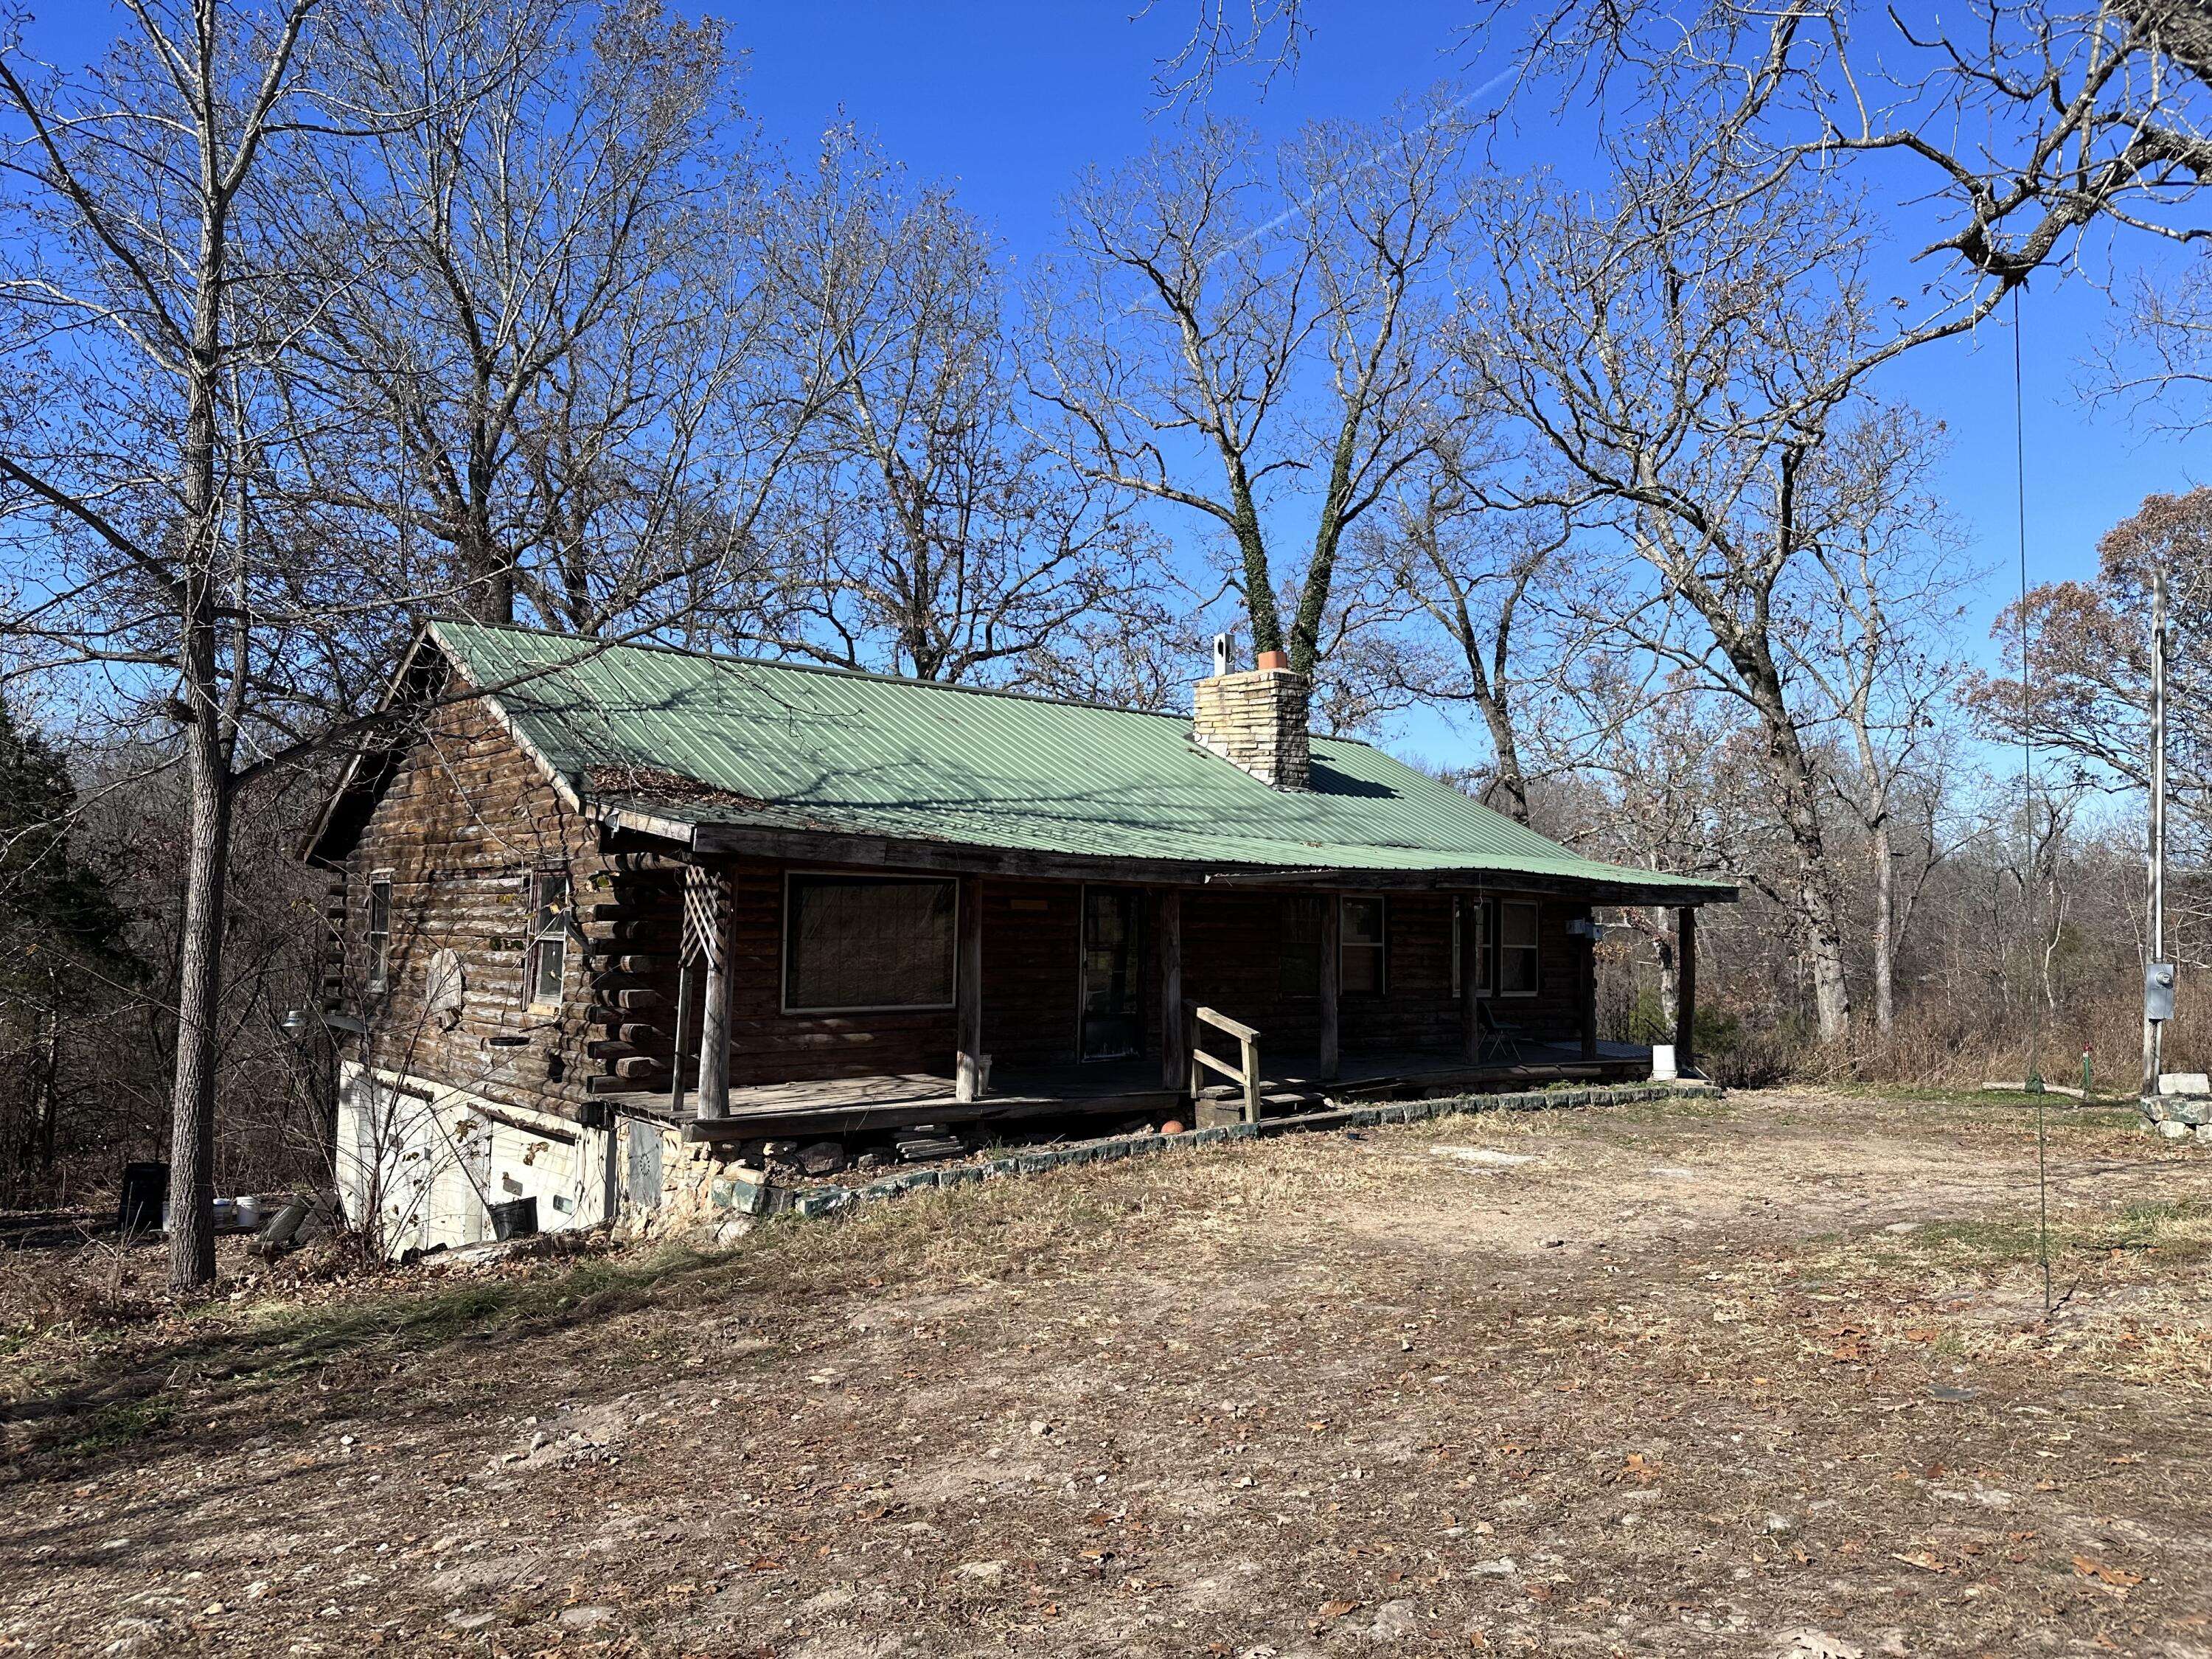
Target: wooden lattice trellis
{"points": [[706, 908]]}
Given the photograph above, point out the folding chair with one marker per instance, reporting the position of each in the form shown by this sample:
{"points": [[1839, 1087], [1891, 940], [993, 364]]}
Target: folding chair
{"points": [[1500, 1040]]}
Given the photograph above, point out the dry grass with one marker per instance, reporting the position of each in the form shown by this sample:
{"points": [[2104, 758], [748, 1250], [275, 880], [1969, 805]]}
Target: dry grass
{"points": [[1769, 1377]]}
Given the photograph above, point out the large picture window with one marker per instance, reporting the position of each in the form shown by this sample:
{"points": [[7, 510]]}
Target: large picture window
{"points": [[1516, 949], [851, 943], [1362, 948]]}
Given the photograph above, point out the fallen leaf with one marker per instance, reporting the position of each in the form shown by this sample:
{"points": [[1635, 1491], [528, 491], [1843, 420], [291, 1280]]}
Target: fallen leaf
{"points": [[1926, 1560], [1334, 1609], [2117, 1577]]}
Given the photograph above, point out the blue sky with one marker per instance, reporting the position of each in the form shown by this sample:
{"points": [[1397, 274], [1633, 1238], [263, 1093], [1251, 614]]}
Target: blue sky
{"points": [[1010, 101]]}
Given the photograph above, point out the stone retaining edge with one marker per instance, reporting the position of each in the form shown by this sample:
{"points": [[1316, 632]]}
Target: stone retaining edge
{"points": [[835, 1201]]}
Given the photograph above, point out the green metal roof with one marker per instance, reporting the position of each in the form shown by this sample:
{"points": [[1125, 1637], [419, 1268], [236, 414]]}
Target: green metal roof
{"points": [[696, 737]]}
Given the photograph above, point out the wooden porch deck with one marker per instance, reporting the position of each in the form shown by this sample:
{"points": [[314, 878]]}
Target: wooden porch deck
{"points": [[1126, 1088]]}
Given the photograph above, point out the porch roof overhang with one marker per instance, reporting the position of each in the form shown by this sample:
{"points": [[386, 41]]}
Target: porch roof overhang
{"points": [[1374, 869]]}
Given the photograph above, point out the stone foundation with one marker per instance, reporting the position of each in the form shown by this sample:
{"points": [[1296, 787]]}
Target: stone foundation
{"points": [[705, 1193], [2179, 1117]]}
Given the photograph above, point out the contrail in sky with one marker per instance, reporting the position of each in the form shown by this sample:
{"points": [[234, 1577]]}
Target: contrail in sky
{"points": [[1304, 205]]}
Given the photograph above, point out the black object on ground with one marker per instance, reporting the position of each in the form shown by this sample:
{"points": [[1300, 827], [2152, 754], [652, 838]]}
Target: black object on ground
{"points": [[145, 1190]]}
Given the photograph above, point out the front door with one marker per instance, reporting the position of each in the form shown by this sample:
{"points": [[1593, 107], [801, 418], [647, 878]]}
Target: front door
{"points": [[1112, 1025]]}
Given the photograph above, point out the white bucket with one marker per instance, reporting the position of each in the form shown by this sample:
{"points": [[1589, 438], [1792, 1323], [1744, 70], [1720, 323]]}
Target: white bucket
{"points": [[1662, 1062]]}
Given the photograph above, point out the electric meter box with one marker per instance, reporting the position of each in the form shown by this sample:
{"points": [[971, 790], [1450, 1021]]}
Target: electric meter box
{"points": [[2158, 991]]}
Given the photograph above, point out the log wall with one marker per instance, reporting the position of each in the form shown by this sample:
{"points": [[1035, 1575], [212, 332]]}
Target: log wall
{"points": [[465, 822]]}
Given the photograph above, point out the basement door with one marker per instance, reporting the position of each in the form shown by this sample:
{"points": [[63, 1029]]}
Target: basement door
{"points": [[1113, 1025]]}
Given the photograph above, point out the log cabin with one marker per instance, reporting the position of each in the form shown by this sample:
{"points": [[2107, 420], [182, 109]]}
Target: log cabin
{"points": [[601, 910]]}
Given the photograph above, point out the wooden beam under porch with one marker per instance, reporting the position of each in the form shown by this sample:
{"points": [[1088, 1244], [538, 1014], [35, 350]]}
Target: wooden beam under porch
{"points": [[854, 1106]]}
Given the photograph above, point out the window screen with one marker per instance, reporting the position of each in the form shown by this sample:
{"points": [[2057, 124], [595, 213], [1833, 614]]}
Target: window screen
{"points": [[1362, 945], [379, 932], [548, 942], [854, 942], [1516, 949]]}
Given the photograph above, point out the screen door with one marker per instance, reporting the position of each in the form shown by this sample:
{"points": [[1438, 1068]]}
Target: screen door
{"points": [[1112, 1025]]}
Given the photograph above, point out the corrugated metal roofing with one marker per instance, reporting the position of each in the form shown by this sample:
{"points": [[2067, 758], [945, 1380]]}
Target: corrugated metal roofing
{"points": [[914, 760]]}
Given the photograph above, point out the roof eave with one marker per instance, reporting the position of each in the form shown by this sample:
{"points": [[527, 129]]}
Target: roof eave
{"points": [[737, 839]]}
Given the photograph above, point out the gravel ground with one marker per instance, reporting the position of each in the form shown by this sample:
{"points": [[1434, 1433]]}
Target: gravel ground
{"points": [[1768, 1375]]}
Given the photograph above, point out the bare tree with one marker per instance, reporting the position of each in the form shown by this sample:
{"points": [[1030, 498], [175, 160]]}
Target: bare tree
{"points": [[1209, 350], [1469, 564], [1687, 347], [1871, 636], [927, 531], [144, 236], [1664, 775], [174, 557], [2015, 125], [539, 316], [2087, 701], [1266, 34]]}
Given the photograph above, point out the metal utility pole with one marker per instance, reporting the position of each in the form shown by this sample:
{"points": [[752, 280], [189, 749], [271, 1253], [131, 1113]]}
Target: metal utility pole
{"points": [[2158, 975]]}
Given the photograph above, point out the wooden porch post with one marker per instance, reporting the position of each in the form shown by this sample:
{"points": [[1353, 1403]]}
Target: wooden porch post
{"points": [[1175, 1058], [1587, 989], [1686, 988], [708, 907], [1470, 977], [968, 995], [1332, 966], [680, 1036]]}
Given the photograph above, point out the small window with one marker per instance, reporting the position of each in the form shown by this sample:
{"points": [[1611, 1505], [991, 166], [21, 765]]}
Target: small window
{"points": [[549, 937], [1516, 949], [379, 938], [1361, 949], [855, 943]]}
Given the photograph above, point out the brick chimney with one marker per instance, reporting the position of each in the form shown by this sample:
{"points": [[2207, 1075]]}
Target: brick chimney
{"points": [[1256, 720]]}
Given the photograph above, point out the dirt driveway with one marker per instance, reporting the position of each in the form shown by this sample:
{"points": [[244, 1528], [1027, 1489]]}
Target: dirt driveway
{"points": [[1765, 1376]]}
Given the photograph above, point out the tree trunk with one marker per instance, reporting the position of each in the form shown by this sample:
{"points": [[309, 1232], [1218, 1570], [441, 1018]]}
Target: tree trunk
{"points": [[488, 575], [47, 1093], [1818, 910], [206, 714], [1885, 930], [199, 986], [1509, 784], [1824, 934], [1658, 930], [1258, 582]]}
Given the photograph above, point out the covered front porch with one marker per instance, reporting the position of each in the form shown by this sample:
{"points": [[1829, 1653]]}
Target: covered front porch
{"points": [[1037, 996]]}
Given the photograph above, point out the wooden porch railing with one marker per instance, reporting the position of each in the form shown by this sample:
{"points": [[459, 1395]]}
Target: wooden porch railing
{"points": [[1245, 1075]]}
